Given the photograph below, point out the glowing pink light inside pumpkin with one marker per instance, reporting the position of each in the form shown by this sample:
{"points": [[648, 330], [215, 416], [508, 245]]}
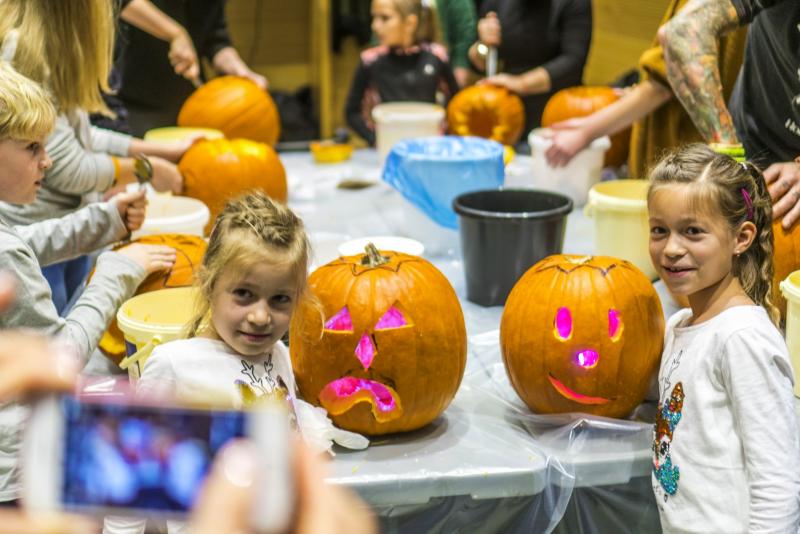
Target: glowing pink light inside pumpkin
{"points": [[613, 323], [365, 351], [587, 358], [391, 319], [349, 386], [340, 321], [563, 323]]}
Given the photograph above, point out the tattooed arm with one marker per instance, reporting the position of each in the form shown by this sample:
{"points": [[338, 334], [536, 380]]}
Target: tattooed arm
{"points": [[691, 53]]}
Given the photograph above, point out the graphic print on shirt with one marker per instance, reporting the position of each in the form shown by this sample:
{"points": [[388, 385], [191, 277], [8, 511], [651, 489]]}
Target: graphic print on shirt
{"points": [[668, 417], [259, 386]]}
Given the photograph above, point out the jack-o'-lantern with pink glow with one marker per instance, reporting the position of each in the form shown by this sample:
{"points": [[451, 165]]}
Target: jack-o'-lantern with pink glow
{"points": [[582, 334], [383, 348]]}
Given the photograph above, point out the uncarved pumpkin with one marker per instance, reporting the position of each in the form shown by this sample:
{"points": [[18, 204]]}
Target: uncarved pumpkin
{"points": [[487, 111], [235, 106], [582, 101], [582, 334], [189, 255], [214, 171], [386, 350], [785, 259]]}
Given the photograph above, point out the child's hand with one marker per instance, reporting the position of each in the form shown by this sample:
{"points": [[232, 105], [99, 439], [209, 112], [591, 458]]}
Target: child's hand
{"points": [[131, 208], [152, 258], [166, 176]]}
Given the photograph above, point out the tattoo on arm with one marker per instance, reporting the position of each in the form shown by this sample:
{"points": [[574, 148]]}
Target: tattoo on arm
{"points": [[691, 52]]}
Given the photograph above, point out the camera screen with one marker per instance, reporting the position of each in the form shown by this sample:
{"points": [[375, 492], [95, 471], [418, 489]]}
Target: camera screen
{"points": [[140, 457]]}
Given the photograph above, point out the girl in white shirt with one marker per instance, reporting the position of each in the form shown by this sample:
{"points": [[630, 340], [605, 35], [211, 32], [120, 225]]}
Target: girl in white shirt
{"points": [[726, 454]]}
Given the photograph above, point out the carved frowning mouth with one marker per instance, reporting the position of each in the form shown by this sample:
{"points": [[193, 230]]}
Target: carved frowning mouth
{"points": [[574, 395], [342, 394]]}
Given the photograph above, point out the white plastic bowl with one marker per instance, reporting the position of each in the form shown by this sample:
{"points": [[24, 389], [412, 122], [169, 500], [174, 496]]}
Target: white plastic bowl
{"points": [[405, 245]]}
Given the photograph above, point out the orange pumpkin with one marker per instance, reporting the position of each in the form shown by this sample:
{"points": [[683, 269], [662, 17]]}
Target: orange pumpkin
{"points": [[582, 334], [487, 111], [235, 106], [785, 259], [387, 349], [190, 250], [214, 171], [581, 101]]}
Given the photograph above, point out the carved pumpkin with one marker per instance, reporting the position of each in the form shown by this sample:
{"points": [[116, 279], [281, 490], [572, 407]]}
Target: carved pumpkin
{"points": [[235, 106], [190, 250], [487, 111], [388, 351], [786, 260], [581, 101], [582, 334], [214, 171]]}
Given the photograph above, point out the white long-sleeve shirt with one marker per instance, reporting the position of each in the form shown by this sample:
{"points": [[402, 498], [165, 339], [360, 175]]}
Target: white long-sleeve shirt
{"points": [[726, 444]]}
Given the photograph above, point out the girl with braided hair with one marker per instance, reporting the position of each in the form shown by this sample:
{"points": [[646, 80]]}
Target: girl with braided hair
{"points": [[726, 456], [252, 276]]}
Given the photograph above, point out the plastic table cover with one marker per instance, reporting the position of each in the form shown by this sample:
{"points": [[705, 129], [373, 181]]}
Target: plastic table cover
{"points": [[487, 464]]}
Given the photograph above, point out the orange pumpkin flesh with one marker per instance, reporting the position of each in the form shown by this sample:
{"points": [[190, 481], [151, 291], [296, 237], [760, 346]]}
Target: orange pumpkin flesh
{"points": [[235, 106], [580, 102], [582, 334], [388, 352], [487, 111], [189, 255], [214, 171], [786, 260]]}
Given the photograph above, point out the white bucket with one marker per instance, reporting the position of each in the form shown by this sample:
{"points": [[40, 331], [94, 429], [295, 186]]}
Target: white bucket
{"points": [[574, 179], [791, 292], [395, 121], [169, 214], [149, 319], [621, 227]]}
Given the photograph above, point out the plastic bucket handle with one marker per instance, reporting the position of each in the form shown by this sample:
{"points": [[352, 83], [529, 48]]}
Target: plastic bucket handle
{"points": [[144, 352]]}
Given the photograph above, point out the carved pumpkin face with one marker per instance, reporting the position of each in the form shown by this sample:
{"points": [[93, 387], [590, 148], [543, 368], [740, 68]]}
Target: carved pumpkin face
{"points": [[582, 334], [388, 353], [215, 171], [189, 255], [487, 111], [580, 102], [235, 106]]}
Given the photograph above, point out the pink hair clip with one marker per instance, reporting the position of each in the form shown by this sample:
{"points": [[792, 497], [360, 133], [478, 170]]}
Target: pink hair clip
{"points": [[748, 202]]}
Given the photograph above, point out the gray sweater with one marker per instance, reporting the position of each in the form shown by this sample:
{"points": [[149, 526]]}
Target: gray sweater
{"points": [[23, 250], [81, 165]]}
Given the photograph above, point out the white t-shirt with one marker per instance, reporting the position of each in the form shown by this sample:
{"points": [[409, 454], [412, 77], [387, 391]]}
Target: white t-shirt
{"points": [[726, 450]]}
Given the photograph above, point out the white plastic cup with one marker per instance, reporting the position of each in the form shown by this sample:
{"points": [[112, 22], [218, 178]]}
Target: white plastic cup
{"points": [[621, 228], [395, 121], [576, 177], [791, 292]]}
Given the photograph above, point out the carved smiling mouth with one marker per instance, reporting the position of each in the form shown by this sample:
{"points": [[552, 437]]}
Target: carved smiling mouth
{"points": [[342, 394], [574, 395]]}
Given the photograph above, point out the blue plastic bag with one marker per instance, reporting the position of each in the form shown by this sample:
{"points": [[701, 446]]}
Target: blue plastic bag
{"points": [[431, 171]]}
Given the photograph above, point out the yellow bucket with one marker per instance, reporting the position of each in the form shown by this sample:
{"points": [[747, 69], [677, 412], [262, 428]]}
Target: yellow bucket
{"points": [[791, 292], [150, 319], [178, 133], [621, 227]]}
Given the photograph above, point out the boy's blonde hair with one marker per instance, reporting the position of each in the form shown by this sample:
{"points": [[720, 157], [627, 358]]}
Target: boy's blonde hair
{"points": [[252, 229], [26, 111], [65, 45], [425, 20], [738, 192]]}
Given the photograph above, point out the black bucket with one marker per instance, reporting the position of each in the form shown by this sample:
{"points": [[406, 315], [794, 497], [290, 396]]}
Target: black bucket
{"points": [[503, 233]]}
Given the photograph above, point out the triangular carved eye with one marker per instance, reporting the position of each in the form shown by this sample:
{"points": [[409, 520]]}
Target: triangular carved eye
{"points": [[563, 324], [393, 318], [341, 322]]}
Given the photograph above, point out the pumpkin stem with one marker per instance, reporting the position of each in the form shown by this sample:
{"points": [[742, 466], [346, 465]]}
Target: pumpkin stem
{"points": [[372, 257]]}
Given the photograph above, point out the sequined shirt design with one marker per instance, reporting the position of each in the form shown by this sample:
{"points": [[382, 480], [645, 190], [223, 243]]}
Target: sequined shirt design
{"points": [[669, 415]]}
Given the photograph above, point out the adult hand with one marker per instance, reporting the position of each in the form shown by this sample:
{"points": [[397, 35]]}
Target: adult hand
{"points": [[511, 82], [183, 57], [568, 138], [225, 503], [166, 176], [259, 80], [783, 181], [151, 258], [131, 208], [489, 31]]}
